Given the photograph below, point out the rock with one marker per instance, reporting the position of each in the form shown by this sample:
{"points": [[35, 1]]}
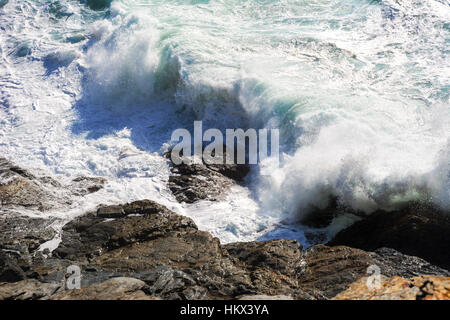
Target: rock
{"points": [[192, 182], [92, 235], [19, 188], [20, 238], [98, 4], [23, 234], [330, 270], [283, 256], [10, 271], [393, 263], [120, 288], [265, 297], [85, 185], [196, 182], [143, 250], [419, 230], [28, 290], [176, 260], [397, 288]]}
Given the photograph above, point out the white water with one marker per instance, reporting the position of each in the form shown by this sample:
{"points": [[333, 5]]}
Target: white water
{"points": [[359, 89]]}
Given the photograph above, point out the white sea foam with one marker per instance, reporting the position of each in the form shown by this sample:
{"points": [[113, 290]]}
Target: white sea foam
{"points": [[358, 89]]}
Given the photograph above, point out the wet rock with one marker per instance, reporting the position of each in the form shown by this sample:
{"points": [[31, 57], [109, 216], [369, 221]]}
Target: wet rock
{"points": [[92, 235], [196, 182], [420, 230], [397, 288], [192, 182], [98, 4], [283, 256], [23, 234], [85, 185], [20, 188], [120, 288]]}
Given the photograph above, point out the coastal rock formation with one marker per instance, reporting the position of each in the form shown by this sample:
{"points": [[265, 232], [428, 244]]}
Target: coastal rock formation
{"points": [[192, 182], [19, 188], [143, 250], [418, 229], [397, 288], [167, 257]]}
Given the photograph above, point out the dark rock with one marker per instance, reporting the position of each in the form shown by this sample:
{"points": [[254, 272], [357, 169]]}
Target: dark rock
{"points": [[330, 270], [9, 269], [23, 234], [193, 182], [196, 182], [84, 185], [98, 4], [419, 229], [283, 256]]}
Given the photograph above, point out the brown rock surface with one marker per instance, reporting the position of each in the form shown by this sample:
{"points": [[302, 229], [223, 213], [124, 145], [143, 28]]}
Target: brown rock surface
{"points": [[120, 288], [397, 288]]}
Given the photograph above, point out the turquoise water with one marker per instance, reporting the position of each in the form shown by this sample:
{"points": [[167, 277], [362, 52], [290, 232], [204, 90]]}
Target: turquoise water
{"points": [[359, 90]]}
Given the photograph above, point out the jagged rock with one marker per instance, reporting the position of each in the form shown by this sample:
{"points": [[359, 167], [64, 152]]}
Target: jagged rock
{"points": [[29, 289], [174, 258], [283, 256], [397, 288], [93, 235], [393, 263], [19, 188], [196, 182], [84, 185], [193, 182], [20, 238], [23, 234], [120, 288], [419, 230], [10, 271], [169, 258], [330, 270]]}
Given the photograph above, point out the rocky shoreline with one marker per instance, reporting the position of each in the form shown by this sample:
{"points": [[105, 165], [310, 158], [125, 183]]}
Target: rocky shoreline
{"points": [[142, 250]]}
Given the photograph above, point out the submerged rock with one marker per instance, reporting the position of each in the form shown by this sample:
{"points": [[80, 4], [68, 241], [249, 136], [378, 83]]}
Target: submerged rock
{"points": [[419, 229], [98, 4]]}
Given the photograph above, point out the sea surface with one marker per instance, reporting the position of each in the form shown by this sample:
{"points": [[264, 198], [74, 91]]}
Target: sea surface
{"points": [[359, 90]]}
